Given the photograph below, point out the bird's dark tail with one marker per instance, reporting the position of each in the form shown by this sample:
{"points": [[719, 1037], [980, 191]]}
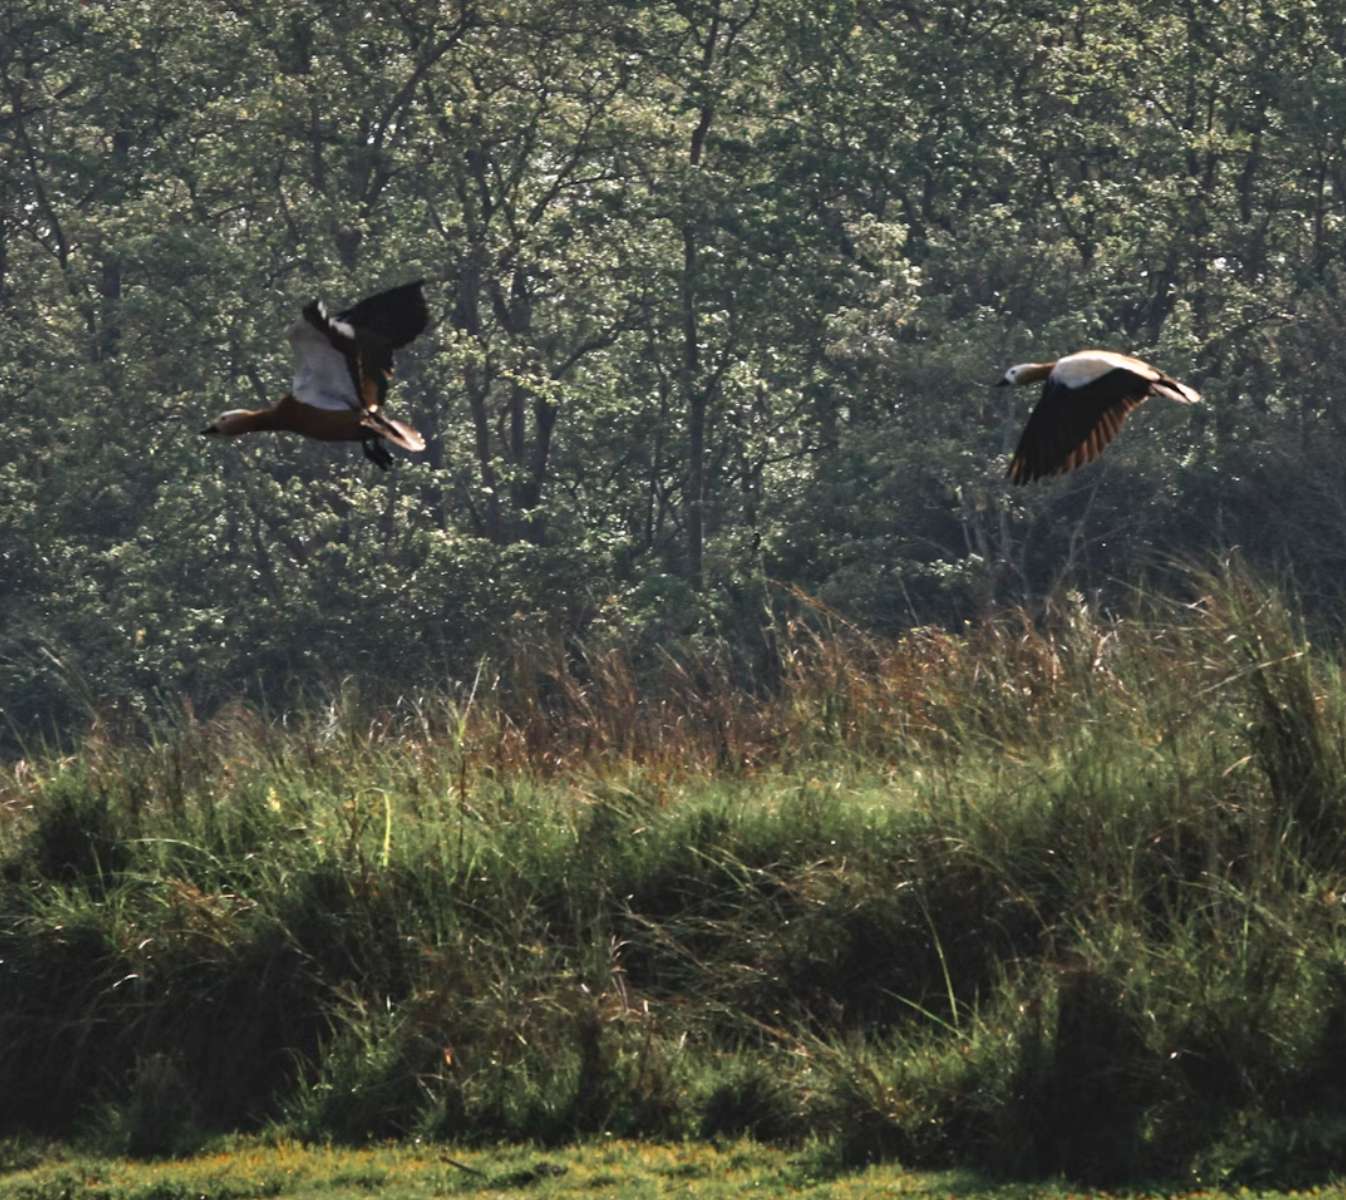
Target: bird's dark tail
{"points": [[398, 314]]}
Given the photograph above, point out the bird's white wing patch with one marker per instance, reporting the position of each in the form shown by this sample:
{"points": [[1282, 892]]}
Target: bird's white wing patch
{"points": [[1077, 370], [322, 378], [344, 328]]}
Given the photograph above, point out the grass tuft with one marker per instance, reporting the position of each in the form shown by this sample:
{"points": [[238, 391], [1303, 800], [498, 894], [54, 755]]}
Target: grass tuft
{"points": [[1055, 895]]}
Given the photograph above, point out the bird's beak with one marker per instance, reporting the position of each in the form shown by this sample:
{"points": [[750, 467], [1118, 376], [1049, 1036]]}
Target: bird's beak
{"points": [[209, 429], [1001, 382]]}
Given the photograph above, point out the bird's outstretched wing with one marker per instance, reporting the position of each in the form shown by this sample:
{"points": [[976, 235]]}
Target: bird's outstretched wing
{"points": [[322, 373], [1069, 428], [398, 315], [366, 334]]}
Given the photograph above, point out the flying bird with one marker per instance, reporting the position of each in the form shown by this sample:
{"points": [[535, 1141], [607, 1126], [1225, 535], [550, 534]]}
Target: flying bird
{"points": [[343, 366], [1085, 398]]}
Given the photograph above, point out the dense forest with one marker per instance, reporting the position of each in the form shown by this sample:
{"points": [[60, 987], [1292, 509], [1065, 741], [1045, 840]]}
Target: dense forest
{"points": [[718, 289]]}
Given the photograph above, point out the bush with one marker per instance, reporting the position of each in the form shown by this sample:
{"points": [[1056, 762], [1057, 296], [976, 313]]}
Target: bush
{"points": [[1046, 897]]}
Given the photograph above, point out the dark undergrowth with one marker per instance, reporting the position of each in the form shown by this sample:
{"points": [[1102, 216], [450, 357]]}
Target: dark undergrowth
{"points": [[1052, 896]]}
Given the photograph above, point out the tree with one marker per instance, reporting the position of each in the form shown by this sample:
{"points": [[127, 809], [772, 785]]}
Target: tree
{"points": [[718, 288]]}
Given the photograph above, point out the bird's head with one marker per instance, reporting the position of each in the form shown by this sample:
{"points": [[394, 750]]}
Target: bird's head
{"points": [[1024, 373], [230, 424]]}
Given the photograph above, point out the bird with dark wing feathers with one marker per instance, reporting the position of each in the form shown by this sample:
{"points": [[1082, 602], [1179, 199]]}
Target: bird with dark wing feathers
{"points": [[1085, 398], [343, 367]]}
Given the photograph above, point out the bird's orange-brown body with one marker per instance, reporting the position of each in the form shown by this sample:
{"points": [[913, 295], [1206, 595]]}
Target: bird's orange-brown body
{"points": [[343, 366], [289, 415]]}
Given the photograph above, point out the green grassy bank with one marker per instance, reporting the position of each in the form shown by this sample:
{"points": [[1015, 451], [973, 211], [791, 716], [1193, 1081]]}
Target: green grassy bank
{"points": [[1054, 896], [603, 1167]]}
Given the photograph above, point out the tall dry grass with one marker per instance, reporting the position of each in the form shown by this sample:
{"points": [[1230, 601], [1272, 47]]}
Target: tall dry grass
{"points": [[1052, 894]]}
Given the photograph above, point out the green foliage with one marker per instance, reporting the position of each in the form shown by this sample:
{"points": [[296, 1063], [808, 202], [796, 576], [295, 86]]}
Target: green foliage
{"points": [[253, 1167], [716, 292], [524, 791], [1044, 898], [157, 1117], [754, 1099], [77, 838]]}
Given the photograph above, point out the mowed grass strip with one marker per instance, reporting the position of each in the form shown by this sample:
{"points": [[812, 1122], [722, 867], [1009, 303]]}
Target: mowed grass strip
{"points": [[630, 1170]]}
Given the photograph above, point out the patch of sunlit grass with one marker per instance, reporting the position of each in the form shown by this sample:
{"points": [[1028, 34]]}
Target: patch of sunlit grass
{"points": [[630, 1170]]}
